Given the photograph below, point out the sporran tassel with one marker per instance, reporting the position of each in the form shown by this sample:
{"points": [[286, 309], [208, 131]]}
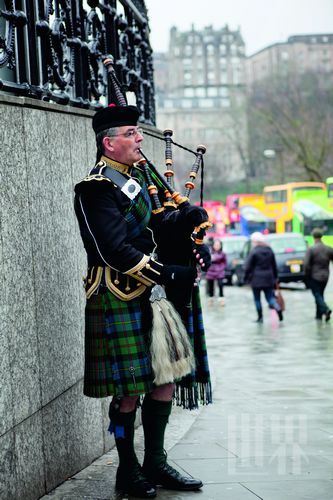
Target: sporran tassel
{"points": [[170, 347]]}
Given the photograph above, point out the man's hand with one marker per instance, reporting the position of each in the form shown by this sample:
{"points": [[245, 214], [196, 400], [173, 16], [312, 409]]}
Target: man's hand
{"points": [[203, 256]]}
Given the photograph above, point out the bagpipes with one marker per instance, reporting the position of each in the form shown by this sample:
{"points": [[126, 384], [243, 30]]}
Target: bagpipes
{"points": [[171, 350]]}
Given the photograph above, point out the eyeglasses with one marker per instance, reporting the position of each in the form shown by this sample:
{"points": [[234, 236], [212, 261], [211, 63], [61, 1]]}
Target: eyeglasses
{"points": [[130, 133]]}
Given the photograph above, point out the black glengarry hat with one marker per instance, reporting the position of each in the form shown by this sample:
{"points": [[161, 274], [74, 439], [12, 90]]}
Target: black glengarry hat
{"points": [[114, 116]]}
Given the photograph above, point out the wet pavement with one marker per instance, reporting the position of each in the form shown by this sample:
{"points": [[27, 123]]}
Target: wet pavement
{"points": [[269, 433]]}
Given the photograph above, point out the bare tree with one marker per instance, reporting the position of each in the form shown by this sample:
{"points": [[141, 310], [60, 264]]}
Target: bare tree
{"points": [[295, 114]]}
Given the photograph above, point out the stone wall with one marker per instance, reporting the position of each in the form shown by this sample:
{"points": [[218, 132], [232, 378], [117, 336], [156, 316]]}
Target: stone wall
{"points": [[48, 429]]}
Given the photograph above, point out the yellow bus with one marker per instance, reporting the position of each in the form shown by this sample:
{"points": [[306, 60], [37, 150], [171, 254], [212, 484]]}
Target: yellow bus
{"points": [[254, 215], [279, 201]]}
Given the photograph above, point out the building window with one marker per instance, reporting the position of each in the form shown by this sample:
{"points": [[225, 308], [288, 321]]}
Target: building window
{"points": [[211, 133], [199, 50], [188, 50], [187, 62], [206, 103], [223, 49], [225, 103], [210, 49], [210, 62], [211, 76], [187, 76], [212, 91], [186, 103], [223, 78], [208, 39], [168, 103], [200, 92], [189, 92], [325, 39], [224, 91]]}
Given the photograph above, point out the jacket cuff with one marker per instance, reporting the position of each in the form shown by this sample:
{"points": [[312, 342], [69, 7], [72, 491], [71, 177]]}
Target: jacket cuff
{"points": [[147, 271]]}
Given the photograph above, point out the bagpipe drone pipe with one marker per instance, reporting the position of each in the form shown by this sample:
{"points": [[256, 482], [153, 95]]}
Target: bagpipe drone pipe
{"points": [[179, 227]]}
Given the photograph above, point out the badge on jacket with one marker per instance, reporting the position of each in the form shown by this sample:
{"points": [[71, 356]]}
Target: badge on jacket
{"points": [[131, 188]]}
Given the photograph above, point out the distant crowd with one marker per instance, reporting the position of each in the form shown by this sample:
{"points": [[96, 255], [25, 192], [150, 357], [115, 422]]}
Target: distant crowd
{"points": [[261, 273]]}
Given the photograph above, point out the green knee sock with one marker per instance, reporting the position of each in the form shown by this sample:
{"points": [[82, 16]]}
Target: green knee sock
{"points": [[122, 426], [155, 416]]}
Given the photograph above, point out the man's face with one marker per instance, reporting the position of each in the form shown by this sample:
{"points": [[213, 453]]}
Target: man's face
{"points": [[125, 146]]}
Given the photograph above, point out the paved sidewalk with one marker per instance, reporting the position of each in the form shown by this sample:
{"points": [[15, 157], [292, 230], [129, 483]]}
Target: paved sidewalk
{"points": [[269, 433]]}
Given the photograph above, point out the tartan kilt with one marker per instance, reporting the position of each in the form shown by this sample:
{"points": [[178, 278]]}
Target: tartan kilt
{"points": [[117, 359]]}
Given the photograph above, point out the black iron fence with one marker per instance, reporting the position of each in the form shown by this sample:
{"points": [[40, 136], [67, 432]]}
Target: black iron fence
{"points": [[53, 50]]}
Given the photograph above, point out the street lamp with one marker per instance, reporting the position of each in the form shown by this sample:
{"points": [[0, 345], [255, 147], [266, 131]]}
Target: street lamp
{"points": [[277, 152], [269, 153]]}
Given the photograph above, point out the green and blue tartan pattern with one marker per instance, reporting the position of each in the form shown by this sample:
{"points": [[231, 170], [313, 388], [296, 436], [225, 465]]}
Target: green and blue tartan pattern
{"points": [[195, 388], [138, 212], [117, 360]]}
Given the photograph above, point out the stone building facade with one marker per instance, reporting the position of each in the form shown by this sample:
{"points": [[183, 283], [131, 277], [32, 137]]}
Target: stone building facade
{"points": [[200, 92], [299, 54]]}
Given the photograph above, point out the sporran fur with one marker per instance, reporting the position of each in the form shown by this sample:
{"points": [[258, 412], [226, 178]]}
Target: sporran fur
{"points": [[170, 348]]}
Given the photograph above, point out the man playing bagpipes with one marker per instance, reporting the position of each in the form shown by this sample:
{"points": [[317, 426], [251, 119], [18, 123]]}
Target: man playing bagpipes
{"points": [[136, 346]]}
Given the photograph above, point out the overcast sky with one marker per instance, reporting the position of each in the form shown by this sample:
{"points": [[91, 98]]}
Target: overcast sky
{"points": [[262, 22]]}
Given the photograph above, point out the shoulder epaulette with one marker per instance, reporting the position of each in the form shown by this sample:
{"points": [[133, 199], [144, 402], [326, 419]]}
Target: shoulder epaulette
{"points": [[96, 177]]}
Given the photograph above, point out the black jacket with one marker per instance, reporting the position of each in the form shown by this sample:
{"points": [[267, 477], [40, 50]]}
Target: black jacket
{"points": [[317, 262], [99, 207], [261, 268]]}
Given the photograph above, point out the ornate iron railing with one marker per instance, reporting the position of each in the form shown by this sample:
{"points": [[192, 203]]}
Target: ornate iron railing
{"points": [[53, 50]]}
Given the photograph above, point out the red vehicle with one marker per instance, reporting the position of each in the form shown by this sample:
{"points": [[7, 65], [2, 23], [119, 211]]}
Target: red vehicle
{"points": [[217, 214], [233, 211]]}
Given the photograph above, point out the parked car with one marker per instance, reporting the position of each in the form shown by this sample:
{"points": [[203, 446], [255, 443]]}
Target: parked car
{"points": [[232, 246], [289, 250]]}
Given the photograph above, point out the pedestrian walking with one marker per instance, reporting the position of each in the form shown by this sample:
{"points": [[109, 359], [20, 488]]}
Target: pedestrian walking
{"points": [[119, 232], [317, 262], [215, 273], [261, 273]]}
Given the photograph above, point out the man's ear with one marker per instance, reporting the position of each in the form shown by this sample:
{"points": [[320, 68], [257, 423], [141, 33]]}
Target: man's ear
{"points": [[107, 143]]}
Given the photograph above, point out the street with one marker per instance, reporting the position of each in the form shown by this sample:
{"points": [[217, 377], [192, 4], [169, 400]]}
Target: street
{"points": [[269, 433]]}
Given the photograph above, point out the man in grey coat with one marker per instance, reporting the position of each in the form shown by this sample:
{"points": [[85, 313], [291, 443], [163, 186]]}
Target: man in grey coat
{"points": [[317, 263]]}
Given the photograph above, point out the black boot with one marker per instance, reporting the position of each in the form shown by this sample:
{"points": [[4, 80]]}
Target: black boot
{"points": [[280, 315], [260, 318], [130, 478], [155, 416]]}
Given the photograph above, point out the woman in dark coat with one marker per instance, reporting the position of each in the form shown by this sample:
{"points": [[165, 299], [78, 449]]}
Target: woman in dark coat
{"points": [[261, 274], [216, 271]]}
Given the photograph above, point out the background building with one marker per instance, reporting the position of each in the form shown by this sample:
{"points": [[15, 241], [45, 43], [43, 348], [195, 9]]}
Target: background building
{"points": [[290, 109], [300, 53], [200, 92]]}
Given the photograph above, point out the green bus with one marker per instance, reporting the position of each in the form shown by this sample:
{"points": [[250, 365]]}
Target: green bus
{"points": [[329, 185], [313, 208]]}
